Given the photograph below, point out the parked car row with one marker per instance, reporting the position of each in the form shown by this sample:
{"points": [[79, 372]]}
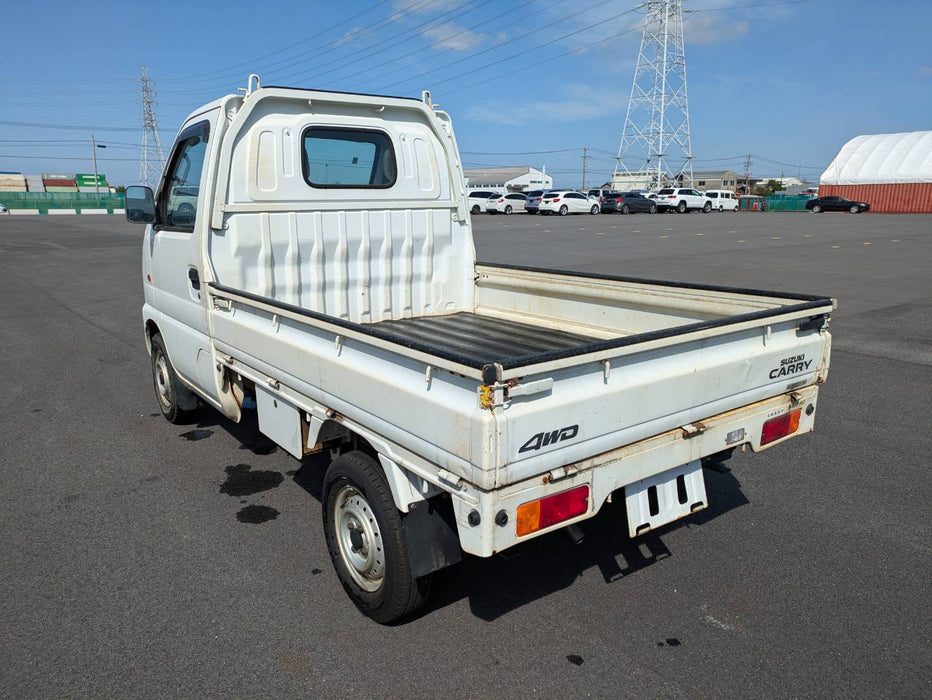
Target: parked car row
{"points": [[678, 199]]}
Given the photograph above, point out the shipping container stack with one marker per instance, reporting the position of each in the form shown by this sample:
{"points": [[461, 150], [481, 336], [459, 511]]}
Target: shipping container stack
{"points": [[34, 183], [12, 182], [59, 182], [85, 183]]}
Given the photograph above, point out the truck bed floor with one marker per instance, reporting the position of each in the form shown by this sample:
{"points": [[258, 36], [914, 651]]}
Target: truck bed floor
{"points": [[483, 339]]}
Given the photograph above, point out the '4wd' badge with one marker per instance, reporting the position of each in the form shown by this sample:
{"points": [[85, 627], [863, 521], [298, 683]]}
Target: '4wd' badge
{"points": [[544, 439], [791, 365]]}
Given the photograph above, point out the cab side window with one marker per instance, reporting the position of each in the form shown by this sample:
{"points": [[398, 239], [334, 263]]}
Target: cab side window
{"points": [[180, 189]]}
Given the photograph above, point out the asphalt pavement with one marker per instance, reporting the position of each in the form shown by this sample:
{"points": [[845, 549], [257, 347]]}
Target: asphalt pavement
{"points": [[139, 558]]}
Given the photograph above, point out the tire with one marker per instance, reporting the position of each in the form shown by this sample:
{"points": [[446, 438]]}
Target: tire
{"points": [[169, 390], [721, 208], [681, 208], [475, 209], [817, 209], [653, 209], [855, 209], [707, 208], [564, 211], [508, 209], [359, 514], [626, 209], [594, 210]]}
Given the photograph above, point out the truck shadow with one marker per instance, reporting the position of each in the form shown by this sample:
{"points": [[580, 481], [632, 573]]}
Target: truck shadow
{"points": [[539, 567], [548, 564]]}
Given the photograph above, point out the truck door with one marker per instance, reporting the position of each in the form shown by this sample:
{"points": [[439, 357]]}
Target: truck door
{"points": [[174, 252]]}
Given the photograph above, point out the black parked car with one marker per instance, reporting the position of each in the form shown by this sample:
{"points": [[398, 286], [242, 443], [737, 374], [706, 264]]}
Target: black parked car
{"points": [[820, 204], [627, 203]]}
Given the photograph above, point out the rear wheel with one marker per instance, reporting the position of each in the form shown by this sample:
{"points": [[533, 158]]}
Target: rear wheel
{"points": [[721, 208], [681, 207], [366, 540], [817, 209], [855, 209], [169, 390], [626, 209], [564, 211], [508, 209], [594, 210]]}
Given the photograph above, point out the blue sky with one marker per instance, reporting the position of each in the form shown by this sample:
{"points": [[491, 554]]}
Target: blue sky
{"points": [[528, 82]]}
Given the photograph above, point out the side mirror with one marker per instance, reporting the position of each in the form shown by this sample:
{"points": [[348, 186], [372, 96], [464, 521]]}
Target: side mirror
{"points": [[140, 205]]}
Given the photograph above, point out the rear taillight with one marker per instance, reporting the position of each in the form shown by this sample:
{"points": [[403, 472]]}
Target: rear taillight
{"points": [[556, 200], [500, 201], [601, 200], [781, 426], [544, 512]]}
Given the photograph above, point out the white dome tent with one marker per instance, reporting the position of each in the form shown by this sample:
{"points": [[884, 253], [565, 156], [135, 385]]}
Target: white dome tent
{"points": [[892, 172]]}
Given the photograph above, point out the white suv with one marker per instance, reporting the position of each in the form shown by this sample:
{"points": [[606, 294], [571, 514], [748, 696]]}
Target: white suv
{"points": [[505, 203], [682, 199], [565, 202]]}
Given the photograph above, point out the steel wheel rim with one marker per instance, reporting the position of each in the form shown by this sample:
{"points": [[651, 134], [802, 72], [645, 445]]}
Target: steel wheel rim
{"points": [[162, 380], [359, 538]]}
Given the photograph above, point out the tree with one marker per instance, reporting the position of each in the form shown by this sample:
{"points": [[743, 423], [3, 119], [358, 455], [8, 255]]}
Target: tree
{"points": [[772, 187]]}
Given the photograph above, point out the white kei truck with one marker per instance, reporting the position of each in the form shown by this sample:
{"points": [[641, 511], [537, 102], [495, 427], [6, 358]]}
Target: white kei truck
{"points": [[326, 276]]}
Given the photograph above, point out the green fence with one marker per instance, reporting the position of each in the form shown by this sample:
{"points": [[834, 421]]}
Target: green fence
{"points": [[786, 203], [43, 201]]}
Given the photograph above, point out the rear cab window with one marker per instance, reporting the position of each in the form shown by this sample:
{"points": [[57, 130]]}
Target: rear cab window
{"points": [[337, 157]]}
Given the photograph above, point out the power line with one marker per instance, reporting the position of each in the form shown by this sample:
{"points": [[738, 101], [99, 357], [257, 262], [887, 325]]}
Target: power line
{"points": [[69, 127]]}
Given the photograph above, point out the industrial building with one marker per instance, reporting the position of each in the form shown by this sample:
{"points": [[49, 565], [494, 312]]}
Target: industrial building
{"points": [[891, 172], [508, 179]]}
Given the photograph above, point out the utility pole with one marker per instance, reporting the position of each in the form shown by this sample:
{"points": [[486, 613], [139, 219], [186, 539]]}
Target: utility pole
{"points": [[585, 159], [94, 147], [96, 179], [747, 174]]}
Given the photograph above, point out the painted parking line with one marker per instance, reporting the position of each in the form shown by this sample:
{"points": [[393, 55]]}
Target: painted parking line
{"points": [[700, 234], [866, 243], [836, 247], [664, 236], [600, 233], [742, 241]]}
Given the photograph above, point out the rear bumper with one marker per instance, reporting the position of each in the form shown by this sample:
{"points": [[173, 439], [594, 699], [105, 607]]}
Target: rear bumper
{"points": [[606, 473]]}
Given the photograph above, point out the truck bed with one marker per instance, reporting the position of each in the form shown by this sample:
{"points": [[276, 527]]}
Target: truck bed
{"points": [[481, 339]]}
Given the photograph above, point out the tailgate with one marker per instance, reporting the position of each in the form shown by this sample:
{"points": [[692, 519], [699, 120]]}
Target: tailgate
{"points": [[572, 413]]}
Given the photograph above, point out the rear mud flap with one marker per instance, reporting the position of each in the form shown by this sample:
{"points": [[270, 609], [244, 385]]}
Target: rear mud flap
{"points": [[665, 497]]}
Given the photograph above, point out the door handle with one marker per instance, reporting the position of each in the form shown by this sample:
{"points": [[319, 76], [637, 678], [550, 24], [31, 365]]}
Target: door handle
{"points": [[194, 277]]}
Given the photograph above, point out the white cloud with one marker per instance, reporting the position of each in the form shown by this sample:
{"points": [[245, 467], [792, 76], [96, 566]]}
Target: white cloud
{"points": [[422, 7], [710, 29], [353, 34], [578, 103], [450, 36]]}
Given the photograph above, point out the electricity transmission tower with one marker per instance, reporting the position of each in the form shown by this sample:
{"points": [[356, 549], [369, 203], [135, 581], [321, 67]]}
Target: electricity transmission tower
{"points": [[152, 162], [655, 148]]}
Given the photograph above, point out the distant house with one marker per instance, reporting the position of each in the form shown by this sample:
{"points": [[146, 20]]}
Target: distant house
{"points": [[510, 178], [704, 180]]}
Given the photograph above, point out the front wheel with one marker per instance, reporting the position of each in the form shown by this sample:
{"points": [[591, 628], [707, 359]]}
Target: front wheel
{"points": [[475, 209], [594, 210], [366, 540], [855, 209], [817, 209], [653, 209], [175, 400], [681, 208], [707, 208], [564, 211]]}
